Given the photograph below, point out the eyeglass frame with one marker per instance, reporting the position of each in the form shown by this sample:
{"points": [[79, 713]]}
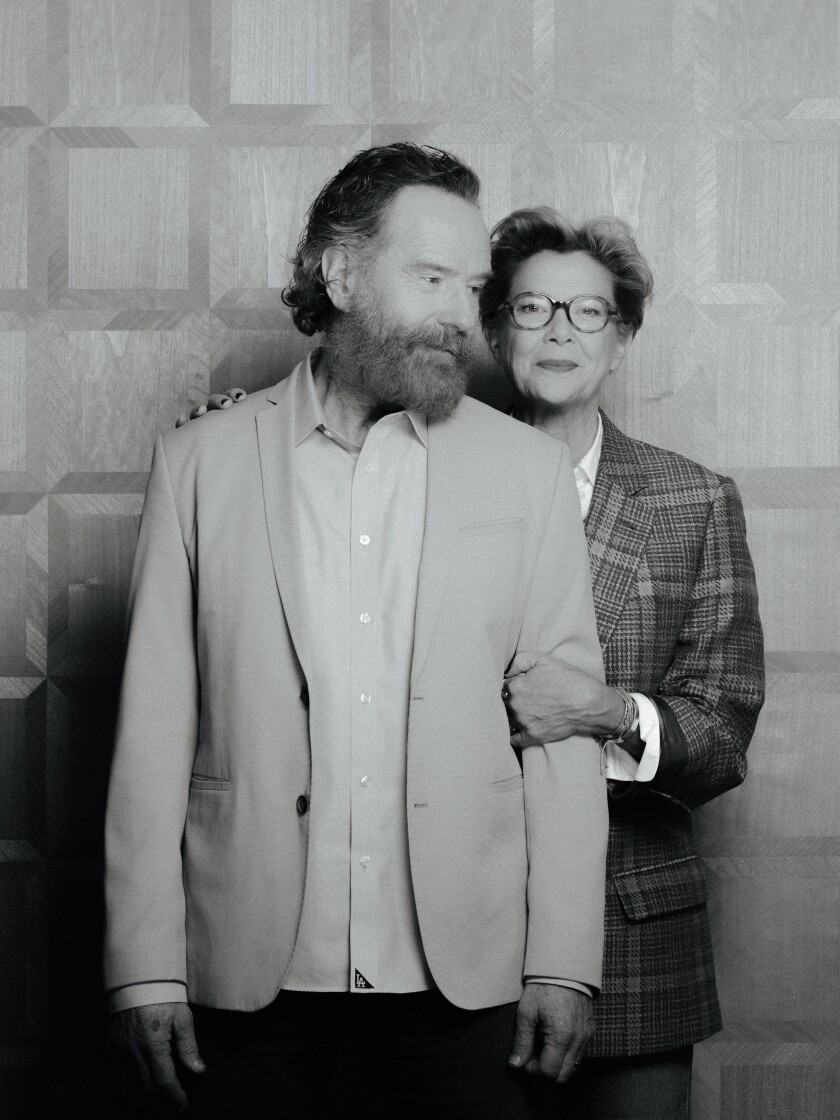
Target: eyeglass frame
{"points": [[556, 304]]}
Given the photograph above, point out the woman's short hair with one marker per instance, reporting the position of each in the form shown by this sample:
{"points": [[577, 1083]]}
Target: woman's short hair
{"points": [[350, 208], [607, 240]]}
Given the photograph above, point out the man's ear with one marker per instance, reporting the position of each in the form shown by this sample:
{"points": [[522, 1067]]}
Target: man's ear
{"points": [[335, 268]]}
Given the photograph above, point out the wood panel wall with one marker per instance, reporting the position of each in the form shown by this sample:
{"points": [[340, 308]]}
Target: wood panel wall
{"points": [[156, 160]]}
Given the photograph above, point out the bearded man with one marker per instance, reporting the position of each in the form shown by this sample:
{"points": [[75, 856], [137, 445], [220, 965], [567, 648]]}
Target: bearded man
{"points": [[318, 834]]}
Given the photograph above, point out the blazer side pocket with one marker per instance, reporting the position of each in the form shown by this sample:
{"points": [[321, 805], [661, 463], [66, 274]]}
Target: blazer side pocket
{"points": [[202, 781], [665, 888], [486, 528], [516, 782]]}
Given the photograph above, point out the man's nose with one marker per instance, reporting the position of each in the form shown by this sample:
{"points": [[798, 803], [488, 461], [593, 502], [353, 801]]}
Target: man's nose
{"points": [[461, 310]]}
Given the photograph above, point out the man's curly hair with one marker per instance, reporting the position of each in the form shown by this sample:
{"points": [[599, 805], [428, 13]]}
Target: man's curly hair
{"points": [[350, 209]]}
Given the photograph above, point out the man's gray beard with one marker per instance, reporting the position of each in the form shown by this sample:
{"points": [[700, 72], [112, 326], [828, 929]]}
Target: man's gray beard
{"points": [[425, 368]]}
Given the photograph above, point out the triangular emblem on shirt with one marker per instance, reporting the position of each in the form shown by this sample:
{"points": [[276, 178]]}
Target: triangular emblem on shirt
{"points": [[361, 982]]}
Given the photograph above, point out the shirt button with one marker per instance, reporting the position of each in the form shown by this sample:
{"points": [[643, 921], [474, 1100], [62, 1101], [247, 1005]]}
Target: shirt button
{"points": [[368, 468], [365, 618], [364, 861], [366, 698], [364, 539], [364, 780]]}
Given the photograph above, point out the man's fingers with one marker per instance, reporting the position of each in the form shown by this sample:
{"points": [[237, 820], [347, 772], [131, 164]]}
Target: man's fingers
{"points": [[237, 395], [219, 400], [569, 1065], [552, 1057], [197, 410], [182, 420], [185, 1042], [522, 662], [164, 1078], [522, 1046]]}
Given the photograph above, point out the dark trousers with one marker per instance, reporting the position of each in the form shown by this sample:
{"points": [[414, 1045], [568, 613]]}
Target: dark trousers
{"points": [[328, 1055], [647, 1087]]}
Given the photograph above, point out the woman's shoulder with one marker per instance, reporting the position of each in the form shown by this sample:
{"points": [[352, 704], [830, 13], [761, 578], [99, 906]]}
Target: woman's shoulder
{"points": [[661, 467]]}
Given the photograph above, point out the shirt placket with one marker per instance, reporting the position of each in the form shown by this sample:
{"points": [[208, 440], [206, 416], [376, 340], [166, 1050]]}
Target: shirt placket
{"points": [[365, 873]]}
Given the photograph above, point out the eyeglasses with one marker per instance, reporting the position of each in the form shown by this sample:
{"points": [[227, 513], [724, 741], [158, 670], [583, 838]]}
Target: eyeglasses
{"points": [[531, 311]]}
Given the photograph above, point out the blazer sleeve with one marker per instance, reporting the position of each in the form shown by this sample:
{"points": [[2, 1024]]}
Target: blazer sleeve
{"points": [[565, 791], [155, 744], [713, 690]]}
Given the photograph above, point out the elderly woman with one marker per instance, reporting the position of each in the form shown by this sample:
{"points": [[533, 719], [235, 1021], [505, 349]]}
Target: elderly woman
{"points": [[676, 606]]}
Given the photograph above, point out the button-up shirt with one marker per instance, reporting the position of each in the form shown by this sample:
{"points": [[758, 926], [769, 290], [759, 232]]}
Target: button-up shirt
{"points": [[361, 513]]}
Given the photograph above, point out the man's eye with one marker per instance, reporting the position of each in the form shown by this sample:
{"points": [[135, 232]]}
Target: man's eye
{"points": [[432, 279]]}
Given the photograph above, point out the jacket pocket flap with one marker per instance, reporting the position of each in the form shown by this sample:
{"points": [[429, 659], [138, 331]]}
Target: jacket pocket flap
{"points": [[662, 889], [485, 528], [504, 784], [202, 781]]}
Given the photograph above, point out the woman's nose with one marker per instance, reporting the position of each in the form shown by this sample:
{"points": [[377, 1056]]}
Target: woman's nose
{"points": [[559, 328]]}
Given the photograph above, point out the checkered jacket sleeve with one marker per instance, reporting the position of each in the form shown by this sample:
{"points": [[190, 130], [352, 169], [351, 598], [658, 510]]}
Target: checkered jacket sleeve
{"points": [[714, 684]]}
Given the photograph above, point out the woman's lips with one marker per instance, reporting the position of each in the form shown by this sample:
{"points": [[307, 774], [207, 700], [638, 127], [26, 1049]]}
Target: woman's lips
{"points": [[563, 367]]}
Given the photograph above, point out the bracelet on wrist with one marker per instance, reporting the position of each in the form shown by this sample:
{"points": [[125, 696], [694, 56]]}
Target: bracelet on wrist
{"points": [[629, 721]]}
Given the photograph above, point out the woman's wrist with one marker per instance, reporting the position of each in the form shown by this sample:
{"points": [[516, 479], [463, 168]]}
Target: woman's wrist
{"points": [[607, 713]]}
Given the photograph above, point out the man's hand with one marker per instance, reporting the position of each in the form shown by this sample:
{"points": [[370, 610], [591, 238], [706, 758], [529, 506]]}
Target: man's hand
{"points": [[217, 400], [549, 700], [149, 1033], [553, 1027]]}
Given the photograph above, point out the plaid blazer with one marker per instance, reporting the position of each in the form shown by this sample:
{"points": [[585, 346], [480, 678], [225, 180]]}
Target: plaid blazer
{"points": [[677, 611]]}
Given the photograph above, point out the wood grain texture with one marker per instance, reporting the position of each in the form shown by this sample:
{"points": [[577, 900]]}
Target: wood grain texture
{"points": [[13, 224], [12, 400], [286, 53], [779, 212], [262, 194], [778, 396], [766, 52], [615, 50], [124, 52], [157, 158], [128, 227]]}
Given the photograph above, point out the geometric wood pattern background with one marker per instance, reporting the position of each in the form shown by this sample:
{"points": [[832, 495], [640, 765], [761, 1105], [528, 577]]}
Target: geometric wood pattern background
{"points": [[156, 161]]}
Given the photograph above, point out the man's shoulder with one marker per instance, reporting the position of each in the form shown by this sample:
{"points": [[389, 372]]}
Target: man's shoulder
{"points": [[220, 429], [489, 423]]}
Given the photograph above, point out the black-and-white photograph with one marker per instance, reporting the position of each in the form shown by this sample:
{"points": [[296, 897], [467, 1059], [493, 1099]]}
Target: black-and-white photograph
{"points": [[419, 535]]}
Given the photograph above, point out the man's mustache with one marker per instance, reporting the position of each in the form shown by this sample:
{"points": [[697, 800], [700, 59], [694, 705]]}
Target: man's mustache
{"points": [[450, 340]]}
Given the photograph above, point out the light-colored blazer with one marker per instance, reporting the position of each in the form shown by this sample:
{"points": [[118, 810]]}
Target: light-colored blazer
{"points": [[206, 831]]}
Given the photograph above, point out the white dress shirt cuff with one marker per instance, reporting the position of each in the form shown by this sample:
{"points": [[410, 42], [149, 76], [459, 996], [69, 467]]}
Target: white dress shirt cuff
{"points": [[559, 983], [137, 995], [622, 767]]}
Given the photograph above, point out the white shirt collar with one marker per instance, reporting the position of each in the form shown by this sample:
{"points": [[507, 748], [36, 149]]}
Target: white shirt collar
{"points": [[589, 463]]}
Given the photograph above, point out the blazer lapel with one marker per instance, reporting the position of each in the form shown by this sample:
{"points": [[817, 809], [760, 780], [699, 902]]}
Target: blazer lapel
{"points": [[276, 438], [447, 461], [617, 528]]}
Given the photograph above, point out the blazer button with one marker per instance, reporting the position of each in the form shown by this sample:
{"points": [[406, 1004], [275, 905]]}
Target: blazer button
{"points": [[304, 695], [302, 804]]}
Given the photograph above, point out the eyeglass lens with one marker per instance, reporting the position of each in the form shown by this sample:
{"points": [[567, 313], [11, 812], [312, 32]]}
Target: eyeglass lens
{"points": [[586, 313]]}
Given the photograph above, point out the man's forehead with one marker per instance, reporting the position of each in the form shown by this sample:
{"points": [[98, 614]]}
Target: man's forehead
{"points": [[423, 219]]}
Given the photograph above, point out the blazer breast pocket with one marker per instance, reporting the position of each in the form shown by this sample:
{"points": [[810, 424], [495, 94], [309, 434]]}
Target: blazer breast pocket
{"points": [[666, 888], [489, 528]]}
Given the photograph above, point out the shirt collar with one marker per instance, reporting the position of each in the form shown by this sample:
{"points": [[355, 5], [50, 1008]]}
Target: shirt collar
{"points": [[589, 463], [309, 412]]}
